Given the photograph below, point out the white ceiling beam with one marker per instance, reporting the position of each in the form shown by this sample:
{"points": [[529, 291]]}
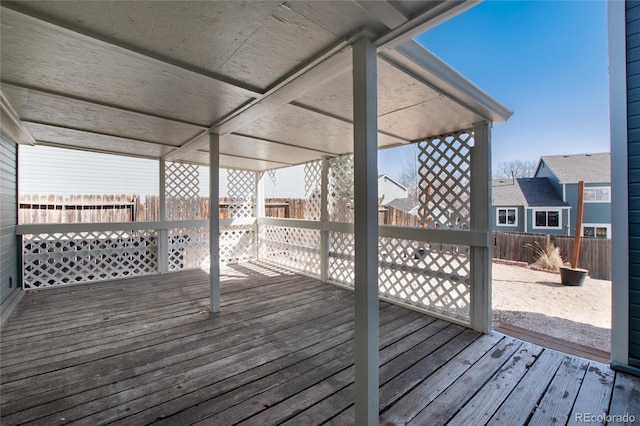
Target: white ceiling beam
{"points": [[423, 65], [319, 151], [143, 54], [316, 76], [192, 144], [65, 96], [384, 12], [345, 120], [12, 125], [323, 69], [94, 150], [244, 157], [439, 12], [94, 132]]}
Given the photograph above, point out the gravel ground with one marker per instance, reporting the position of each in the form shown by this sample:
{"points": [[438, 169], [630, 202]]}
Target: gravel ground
{"points": [[537, 301]]}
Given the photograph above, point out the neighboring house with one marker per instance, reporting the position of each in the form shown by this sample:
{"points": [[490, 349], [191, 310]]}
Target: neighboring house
{"points": [[407, 205], [390, 189], [565, 171], [528, 205]]}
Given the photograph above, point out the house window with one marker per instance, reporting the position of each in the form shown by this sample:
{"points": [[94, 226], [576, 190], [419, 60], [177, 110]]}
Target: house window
{"points": [[507, 217], [601, 194], [547, 219], [596, 231]]}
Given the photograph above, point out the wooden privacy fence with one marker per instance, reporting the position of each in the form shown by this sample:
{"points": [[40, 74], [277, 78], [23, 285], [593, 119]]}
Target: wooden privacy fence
{"points": [[84, 208], [595, 253], [105, 208]]}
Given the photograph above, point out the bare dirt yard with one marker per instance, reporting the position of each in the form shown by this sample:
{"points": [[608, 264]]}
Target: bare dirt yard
{"points": [[537, 301]]}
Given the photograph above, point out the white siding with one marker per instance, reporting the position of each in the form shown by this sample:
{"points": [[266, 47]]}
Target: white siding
{"points": [[47, 170], [389, 190], [289, 183]]}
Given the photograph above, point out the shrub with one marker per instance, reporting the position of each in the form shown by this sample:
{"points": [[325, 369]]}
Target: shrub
{"points": [[548, 257]]}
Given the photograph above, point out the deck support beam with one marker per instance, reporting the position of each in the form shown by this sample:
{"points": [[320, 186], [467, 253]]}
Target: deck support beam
{"points": [[163, 232], [324, 218], [214, 221], [260, 209], [480, 314], [365, 129]]}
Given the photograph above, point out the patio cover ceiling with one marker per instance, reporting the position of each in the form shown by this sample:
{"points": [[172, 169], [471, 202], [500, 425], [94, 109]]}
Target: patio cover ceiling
{"points": [[273, 78]]}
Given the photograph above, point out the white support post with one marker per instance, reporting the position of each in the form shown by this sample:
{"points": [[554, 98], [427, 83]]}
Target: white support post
{"points": [[365, 132], [163, 232], [618, 124], [214, 221], [480, 222], [324, 219], [260, 209]]}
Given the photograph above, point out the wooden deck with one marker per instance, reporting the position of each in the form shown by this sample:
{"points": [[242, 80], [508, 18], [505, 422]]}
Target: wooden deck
{"points": [[146, 350]]}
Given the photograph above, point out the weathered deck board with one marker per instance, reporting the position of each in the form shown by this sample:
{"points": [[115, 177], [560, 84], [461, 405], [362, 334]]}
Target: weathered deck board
{"points": [[489, 398], [146, 350], [522, 401], [595, 392], [445, 405], [625, 400], [553, 408]]}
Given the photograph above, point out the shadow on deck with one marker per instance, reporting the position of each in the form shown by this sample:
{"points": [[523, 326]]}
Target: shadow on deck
{"points": [[147, 350]]}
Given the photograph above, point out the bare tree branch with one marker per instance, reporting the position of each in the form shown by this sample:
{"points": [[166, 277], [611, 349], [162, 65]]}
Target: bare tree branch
{"points": [[409, 175], [515, 168]]}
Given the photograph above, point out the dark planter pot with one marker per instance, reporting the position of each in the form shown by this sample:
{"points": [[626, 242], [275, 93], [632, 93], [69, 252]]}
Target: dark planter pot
{"points": [[573, 277]]}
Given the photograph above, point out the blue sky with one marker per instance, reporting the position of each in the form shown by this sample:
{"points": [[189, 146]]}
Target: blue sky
{"points": [[544, 60]]}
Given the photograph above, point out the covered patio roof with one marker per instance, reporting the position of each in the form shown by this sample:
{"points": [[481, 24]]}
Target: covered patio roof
{"points": [[254, 86], [272, 78]]}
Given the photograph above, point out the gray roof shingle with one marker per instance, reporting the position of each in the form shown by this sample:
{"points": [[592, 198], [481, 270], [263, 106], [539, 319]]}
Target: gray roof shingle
{"points": [[404, 204], [528, 192], [591, 168]]}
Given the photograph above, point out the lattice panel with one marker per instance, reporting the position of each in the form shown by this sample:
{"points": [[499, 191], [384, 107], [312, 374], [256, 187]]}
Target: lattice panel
{"points": [[340, 191], [188, 248], [75, 257], [237, 244], [341, 258], [241, 189], [444, 175], [295, 248], [182, 186], [312, 188], [430, 276]]}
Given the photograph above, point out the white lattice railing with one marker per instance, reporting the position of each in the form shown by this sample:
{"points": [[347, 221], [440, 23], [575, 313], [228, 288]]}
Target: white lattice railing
{"points": [[427, 269], [60, 254], [291, 247]]}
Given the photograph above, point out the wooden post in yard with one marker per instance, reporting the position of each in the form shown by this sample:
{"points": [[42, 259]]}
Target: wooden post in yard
{"points": [[576, 238]]}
